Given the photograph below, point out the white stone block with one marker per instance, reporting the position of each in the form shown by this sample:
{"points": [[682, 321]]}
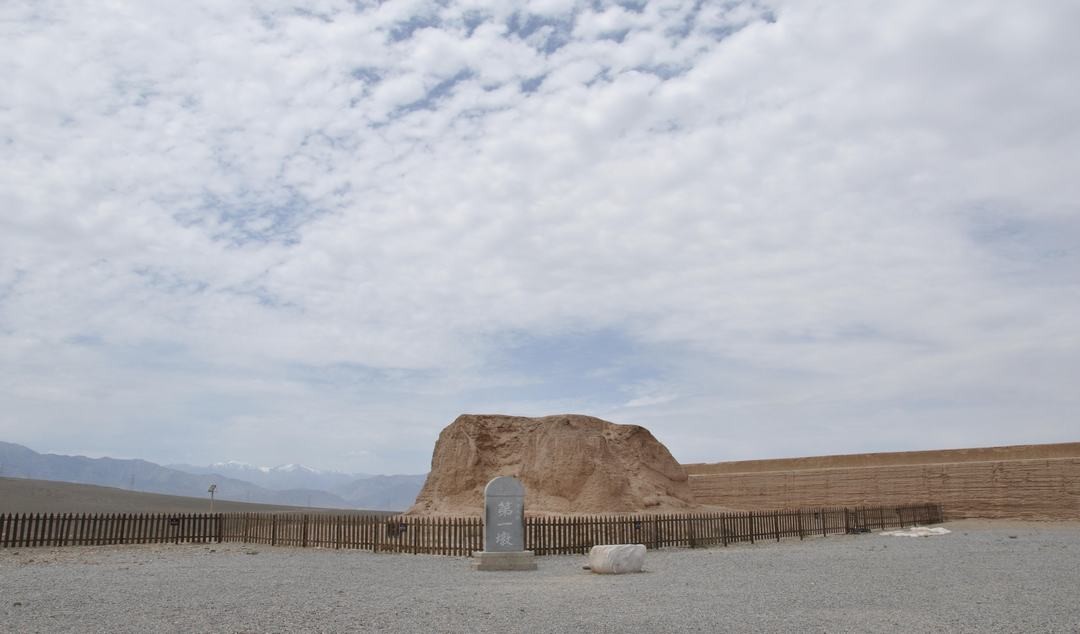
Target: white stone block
{"points": [[617, 559]]}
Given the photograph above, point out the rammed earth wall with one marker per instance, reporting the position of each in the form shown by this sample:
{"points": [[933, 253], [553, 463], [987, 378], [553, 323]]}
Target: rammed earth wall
{"points": [[1040, 482]]}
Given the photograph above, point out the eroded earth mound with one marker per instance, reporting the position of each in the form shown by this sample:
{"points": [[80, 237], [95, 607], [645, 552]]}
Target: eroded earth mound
{"points": [[568, 464]]}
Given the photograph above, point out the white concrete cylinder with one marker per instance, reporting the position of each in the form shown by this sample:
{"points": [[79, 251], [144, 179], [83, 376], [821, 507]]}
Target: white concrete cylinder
{"points": [[617, 559]]}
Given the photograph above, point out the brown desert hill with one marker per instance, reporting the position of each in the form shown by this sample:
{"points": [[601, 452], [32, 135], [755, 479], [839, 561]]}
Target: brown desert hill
{"points": [[24, 495], [568, 463]]}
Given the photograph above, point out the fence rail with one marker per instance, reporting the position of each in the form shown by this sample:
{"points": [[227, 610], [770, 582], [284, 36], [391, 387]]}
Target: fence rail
{"points": [[100, 529], [569, 535], [455, 536], [458, 536]]}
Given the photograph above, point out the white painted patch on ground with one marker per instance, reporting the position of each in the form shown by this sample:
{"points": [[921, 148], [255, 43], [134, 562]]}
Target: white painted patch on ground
{"points": [[918, 531]]}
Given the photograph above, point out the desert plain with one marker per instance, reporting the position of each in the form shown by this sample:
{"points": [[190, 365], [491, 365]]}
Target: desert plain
{"points": [[997, 576]]}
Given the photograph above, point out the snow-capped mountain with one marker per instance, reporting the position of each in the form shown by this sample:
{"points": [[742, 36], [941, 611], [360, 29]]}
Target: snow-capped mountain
{"points": [[361, 490], [294, 468], [141, 475], [286, 476], [290, 485], [240, 467]]}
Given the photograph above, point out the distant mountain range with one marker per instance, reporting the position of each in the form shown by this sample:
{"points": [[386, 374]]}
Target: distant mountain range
{"points": [[292, 485], [289, 476]]}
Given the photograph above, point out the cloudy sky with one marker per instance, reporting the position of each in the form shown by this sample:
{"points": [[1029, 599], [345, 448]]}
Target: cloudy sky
{"points": [[317, 232]]}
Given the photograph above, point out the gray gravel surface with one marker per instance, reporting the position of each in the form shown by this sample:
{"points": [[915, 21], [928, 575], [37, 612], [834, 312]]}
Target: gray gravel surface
{"points": [[1010, 578]]}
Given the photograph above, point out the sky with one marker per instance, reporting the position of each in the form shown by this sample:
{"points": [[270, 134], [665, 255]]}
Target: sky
{"points": [[317, 232]]}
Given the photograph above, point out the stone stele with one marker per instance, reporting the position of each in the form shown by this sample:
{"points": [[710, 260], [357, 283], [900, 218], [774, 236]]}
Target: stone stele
{"points": [[504, 528]]}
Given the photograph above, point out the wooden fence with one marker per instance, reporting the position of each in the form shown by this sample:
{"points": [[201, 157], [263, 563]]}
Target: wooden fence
{"points": [[83, 529], [456, 536], [568, 535]]}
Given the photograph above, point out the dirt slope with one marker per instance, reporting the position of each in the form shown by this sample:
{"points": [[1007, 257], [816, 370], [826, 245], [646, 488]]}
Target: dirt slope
{"points": [[568, 464], [21, 495]]}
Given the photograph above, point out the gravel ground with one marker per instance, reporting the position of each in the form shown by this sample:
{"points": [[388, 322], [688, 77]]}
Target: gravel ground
{"points": [[982, 577]]}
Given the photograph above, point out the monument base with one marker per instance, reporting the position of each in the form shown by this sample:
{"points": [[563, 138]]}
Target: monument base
{"points": [[520, 560]]}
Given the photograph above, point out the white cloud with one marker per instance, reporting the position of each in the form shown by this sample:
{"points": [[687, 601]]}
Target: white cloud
{"points": [[824, 223]]}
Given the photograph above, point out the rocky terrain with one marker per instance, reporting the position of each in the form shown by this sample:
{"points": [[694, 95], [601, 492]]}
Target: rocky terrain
{"points": [[568, 464]]}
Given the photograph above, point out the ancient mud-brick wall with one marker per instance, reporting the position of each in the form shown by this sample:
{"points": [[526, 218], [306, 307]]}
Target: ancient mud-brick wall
{"points": [[1023, 482]]}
